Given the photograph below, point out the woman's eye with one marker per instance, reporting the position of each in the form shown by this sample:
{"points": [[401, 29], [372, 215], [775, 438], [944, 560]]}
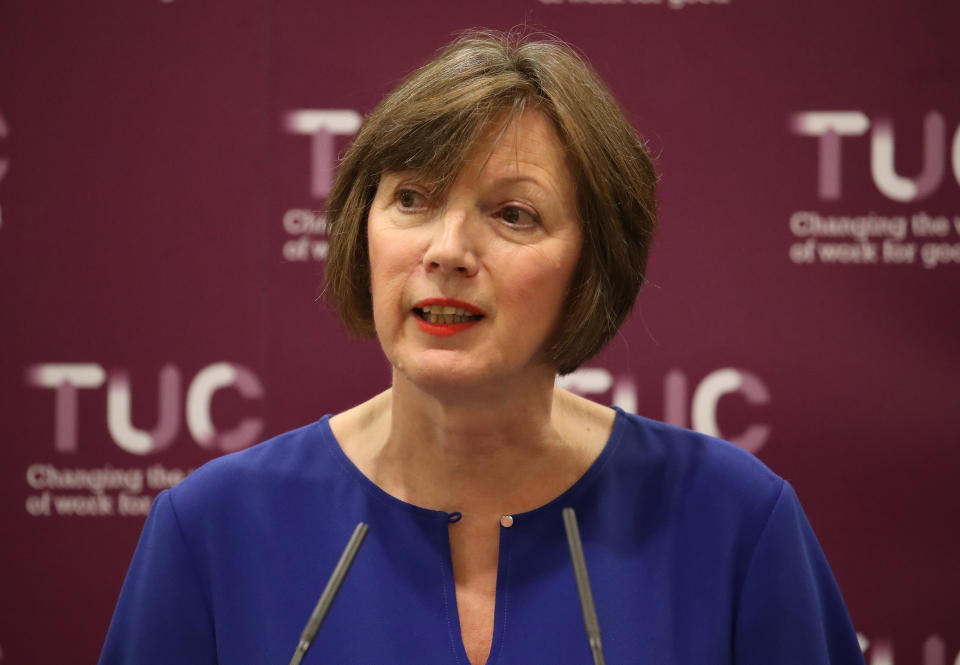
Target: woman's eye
{"points": [[516, 216], [410, 199]]}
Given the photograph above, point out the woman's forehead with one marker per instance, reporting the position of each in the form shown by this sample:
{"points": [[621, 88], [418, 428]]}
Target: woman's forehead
{"points": [[527, 141]]}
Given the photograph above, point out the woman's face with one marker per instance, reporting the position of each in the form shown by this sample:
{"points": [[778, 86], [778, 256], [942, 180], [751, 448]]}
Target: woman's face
{"points": [[468, 289]]}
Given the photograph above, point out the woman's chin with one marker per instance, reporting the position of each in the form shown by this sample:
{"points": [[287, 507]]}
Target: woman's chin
{"points": [[443, 377], [452, 376]]}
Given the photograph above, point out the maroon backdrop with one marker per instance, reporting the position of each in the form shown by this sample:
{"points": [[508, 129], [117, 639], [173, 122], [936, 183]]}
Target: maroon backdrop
{"points": [[163, 162]]}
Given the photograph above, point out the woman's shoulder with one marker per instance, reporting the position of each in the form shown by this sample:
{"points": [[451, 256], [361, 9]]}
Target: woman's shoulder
{"points": [[691, 465], [288, 458]]}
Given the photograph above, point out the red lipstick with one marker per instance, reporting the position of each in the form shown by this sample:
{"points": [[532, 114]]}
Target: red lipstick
{"points": [[424, 311]]}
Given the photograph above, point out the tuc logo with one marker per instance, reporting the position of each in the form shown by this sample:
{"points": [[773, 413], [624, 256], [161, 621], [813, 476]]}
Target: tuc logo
{"points": [[306, 230], [322, 125], [832, 126], [702, 408], [66, 379]]}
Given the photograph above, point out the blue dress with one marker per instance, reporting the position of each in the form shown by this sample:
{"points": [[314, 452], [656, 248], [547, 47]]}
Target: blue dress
{"points": [[697, 554]]}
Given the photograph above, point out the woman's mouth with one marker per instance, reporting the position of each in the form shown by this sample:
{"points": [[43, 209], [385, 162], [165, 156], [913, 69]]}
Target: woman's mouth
{"points": [[445, 314], [443, 317]]}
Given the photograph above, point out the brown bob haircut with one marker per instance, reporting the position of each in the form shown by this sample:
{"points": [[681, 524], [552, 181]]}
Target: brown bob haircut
{"points": [[434, 118]]}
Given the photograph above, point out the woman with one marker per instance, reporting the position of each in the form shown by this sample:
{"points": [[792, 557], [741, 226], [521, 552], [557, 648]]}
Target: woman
{"points": [[490, 226]]}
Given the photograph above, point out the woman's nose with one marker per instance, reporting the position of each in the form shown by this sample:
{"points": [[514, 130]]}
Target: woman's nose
{"points": [[451, 249]]}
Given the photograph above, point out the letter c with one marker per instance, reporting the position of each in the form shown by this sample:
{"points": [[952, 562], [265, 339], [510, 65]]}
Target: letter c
{"points": [[208, 381], [724, 382]]}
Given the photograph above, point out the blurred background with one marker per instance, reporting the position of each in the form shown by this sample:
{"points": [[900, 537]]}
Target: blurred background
{"points": [[163, 171]]}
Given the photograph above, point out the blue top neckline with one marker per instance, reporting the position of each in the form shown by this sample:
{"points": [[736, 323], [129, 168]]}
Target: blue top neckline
{"points": [[565, 498]]}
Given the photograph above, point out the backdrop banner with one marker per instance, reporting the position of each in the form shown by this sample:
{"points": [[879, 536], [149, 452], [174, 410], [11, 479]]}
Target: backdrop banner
{"points": [[164, 166]]}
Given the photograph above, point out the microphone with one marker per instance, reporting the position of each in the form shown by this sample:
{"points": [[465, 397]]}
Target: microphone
{"points": [[583, 585], [330, 591]]}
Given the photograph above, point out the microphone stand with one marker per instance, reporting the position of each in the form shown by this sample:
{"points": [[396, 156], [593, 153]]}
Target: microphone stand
{"points": [[346, 560], [326, 598], [583, 585]]}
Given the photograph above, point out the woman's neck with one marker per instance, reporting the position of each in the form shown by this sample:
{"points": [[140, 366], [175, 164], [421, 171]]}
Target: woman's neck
{"points": [[486, 421], [484, 454]]}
